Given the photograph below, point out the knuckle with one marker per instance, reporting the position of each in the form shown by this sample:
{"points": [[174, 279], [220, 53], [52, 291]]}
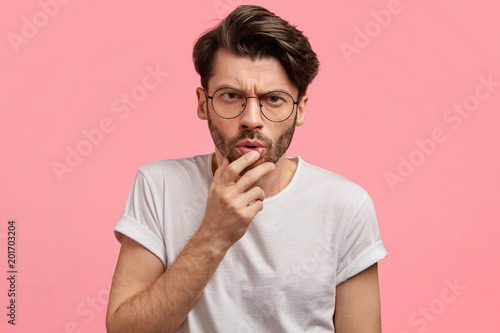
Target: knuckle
{"points": [[214, 191], [231, 170], [217, 173], [259, 192], [241, 215], [225, 198], [250, 177]]}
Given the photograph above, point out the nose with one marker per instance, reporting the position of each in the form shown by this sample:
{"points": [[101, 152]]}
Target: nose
{"points": [[252, 118]]}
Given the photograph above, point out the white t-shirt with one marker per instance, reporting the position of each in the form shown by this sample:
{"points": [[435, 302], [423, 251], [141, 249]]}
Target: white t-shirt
{"points": [[320, 230]]}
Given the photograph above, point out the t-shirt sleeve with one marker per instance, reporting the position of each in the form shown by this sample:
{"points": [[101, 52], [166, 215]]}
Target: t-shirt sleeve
{"points": [[362, 245], [140, 220]]}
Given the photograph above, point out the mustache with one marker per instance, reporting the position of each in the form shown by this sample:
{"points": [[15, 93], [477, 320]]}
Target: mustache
{"points": [[251, 135]]}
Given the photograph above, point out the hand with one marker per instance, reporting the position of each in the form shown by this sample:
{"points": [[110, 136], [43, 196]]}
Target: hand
{"points": [[231, 204]]}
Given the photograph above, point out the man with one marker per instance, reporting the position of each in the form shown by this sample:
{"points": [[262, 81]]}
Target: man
{"points": [[246, 239]]}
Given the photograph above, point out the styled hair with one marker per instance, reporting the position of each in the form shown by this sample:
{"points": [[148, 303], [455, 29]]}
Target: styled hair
{"points": [[255, 32]]}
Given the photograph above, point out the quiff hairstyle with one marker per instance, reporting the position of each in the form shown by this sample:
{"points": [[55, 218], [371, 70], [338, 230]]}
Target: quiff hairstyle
{"points": [[255, 32]]}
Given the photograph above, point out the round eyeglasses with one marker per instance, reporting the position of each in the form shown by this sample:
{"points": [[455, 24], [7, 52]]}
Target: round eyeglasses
{"points": [[229, 103]]}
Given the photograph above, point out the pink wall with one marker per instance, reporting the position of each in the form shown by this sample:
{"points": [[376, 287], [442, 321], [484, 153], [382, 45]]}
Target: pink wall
{"points": [[402, 106]]}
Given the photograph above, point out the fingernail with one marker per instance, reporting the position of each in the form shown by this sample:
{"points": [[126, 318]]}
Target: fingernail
{"points": [[255, 154]]}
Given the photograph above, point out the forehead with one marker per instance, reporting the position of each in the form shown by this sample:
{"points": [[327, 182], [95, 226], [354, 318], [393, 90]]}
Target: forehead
{"points": [[252, 76]]}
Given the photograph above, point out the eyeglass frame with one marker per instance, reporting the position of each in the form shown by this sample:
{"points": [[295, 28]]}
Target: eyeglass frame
{"points": [[246, 102]]}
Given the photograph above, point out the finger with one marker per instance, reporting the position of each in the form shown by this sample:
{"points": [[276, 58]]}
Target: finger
{"points": [[251, 196], [251, 202], [220, 169], [252, 176], [255, 207], [234, 169]]}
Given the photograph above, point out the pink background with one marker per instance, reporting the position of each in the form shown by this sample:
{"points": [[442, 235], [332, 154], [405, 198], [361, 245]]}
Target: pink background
{"points": [[439, 220]]}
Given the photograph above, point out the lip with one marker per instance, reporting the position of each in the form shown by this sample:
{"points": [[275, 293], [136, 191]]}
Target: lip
{"points": [[246, 146]]}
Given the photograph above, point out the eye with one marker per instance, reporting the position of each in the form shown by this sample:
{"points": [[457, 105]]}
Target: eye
{"points": [[229, 96], [275, 99]]}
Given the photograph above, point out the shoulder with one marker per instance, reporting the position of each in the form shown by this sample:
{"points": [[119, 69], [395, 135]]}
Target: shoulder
{"points": [[328, 179], [329, 184]]}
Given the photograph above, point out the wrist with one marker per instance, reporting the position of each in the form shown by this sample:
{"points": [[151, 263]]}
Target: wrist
{"points": [[210, 245]]}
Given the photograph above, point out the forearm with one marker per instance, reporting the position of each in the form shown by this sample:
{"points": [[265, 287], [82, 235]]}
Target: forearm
{"points": [[164, 305]]}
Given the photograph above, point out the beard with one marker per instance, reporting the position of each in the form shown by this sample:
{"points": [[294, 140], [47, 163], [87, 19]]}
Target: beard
{"points": [[274, 150]]}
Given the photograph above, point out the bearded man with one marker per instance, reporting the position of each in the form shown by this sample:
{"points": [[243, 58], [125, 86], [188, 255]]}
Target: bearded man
{"points": [[246, 239]]}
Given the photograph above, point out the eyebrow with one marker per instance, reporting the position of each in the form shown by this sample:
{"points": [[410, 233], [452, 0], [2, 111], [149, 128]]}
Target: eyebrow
{"points": [[246, 92]]}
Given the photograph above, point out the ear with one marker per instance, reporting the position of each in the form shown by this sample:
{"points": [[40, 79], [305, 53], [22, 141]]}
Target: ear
{"points": [[202, 103], [301, 111]]}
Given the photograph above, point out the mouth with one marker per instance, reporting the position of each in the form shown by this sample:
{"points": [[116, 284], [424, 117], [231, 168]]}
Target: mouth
{"points": [[247, 146]]}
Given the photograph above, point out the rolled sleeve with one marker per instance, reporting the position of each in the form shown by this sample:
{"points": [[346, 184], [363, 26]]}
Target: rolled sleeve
{"points": [[140, 220], [362, 245]]}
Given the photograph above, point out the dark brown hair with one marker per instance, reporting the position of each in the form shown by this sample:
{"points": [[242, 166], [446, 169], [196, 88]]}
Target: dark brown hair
{"points": [[255, 32]]}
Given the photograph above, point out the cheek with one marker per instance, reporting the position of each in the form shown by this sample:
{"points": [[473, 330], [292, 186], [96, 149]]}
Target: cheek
{"points": [[278, 130], [222, 126]]}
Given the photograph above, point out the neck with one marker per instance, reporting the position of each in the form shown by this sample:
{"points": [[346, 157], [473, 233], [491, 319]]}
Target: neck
{"points": [[273, 182]]}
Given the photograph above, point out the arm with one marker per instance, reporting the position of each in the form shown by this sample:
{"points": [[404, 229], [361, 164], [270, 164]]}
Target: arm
{"points": [[146, 298], [357, 308]]}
